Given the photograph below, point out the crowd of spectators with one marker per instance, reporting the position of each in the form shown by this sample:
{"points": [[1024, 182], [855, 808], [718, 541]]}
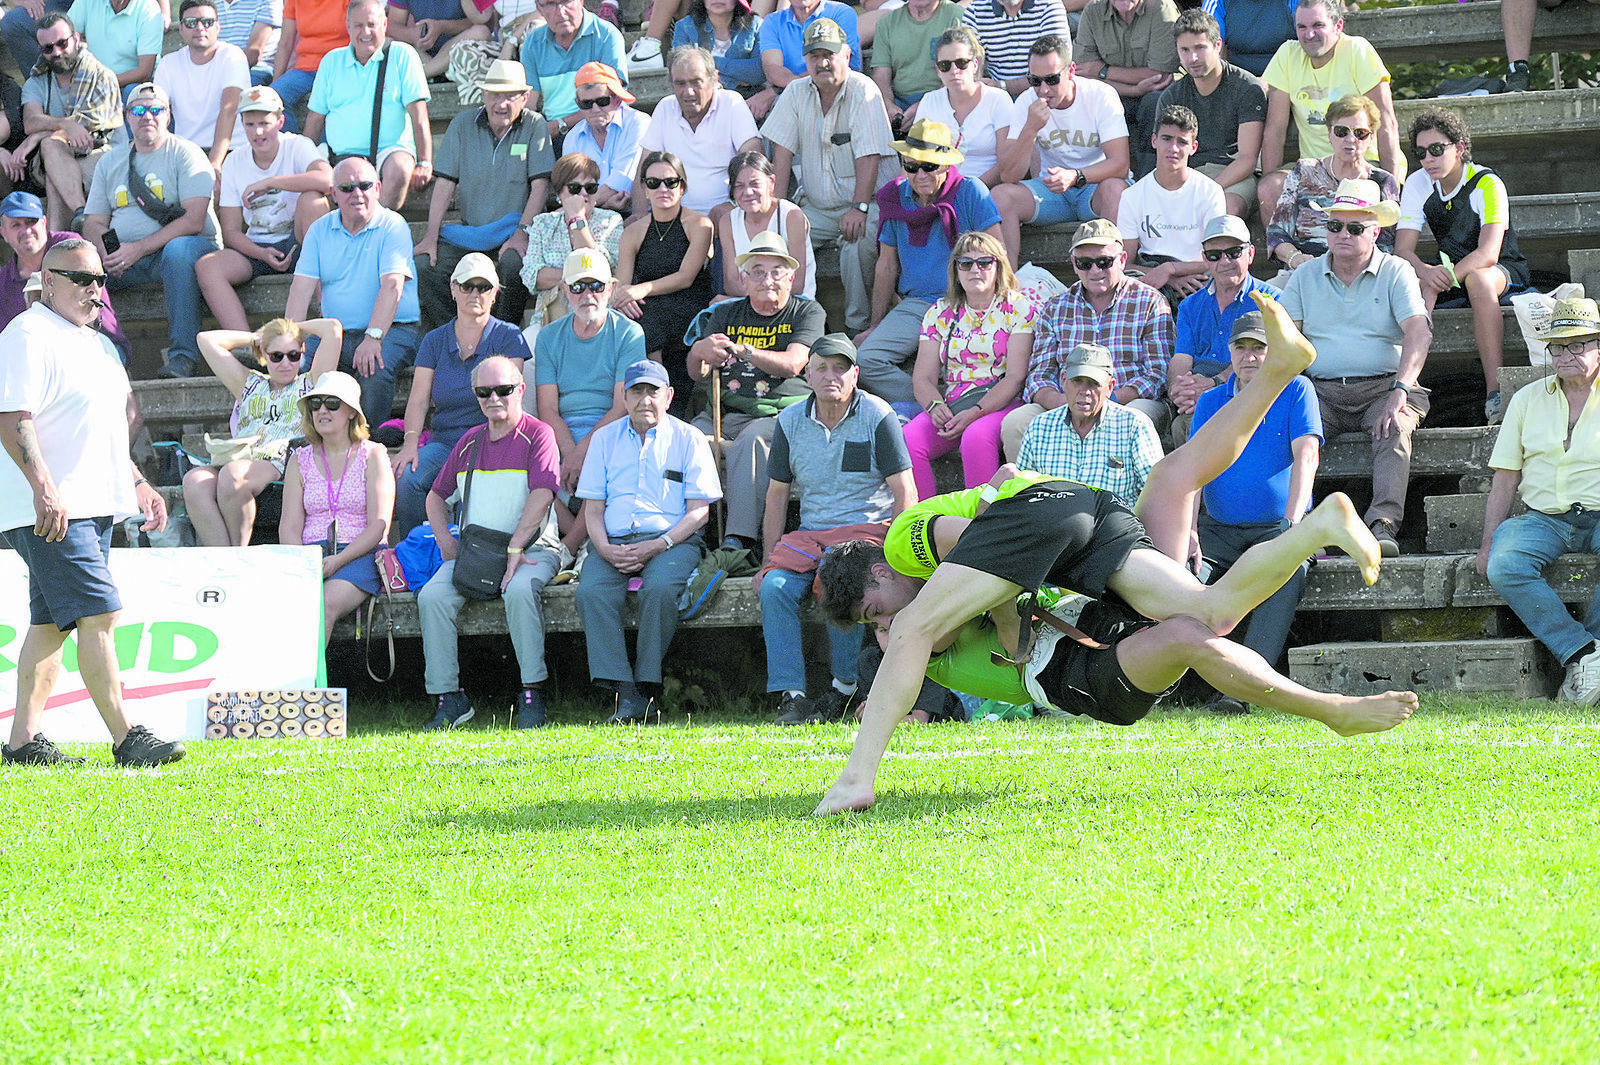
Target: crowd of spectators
{"points": [[606, 306]]}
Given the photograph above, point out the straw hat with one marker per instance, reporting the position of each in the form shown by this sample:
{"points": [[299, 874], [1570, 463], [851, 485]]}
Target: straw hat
{"points": [[1360, 196], [928, 141], [768, 243], [1573, 320]]}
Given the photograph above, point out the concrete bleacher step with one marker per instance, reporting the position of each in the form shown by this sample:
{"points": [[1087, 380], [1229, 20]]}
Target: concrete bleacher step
{"points": [[1469, 31], [1519, 668]]}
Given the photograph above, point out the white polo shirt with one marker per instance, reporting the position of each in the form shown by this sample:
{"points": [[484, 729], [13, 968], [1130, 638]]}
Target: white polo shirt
{"points": [[705, 151]]}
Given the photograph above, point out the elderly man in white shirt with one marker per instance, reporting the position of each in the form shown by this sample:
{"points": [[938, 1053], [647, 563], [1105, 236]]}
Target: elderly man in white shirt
{"points": [[701, 124]]}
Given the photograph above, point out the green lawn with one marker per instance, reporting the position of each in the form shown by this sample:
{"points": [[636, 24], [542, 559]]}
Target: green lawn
{"points": [[1188, 890]]}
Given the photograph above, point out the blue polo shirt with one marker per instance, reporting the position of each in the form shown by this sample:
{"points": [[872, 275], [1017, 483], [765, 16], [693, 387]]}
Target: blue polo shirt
{"points": [[553, 69], [1255, 489], [925, 270], [840, 471], [344, 89], [620, 157], [586, 372], [646, 481], [350, 266], [1203, 330], [455, 408], [782, 32]]}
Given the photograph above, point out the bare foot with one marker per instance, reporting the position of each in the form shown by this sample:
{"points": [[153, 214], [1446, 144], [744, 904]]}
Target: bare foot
{"points": [[1338, 525], [1288, 351], [1372, 713], [845, 795]]}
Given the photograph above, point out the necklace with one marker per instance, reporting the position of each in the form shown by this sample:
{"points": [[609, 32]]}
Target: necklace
{"points": [[666, 229]]}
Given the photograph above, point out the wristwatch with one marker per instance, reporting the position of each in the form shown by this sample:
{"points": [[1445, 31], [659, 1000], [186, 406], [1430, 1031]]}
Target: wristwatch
{"points": [[1401, 385], [1081, 180], [1105, 72], [667, 539], [374, 332], [579, 222], [863, 207]]}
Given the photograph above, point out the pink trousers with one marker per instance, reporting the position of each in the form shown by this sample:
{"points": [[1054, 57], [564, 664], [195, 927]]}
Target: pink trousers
{"points": [[980, 449]]}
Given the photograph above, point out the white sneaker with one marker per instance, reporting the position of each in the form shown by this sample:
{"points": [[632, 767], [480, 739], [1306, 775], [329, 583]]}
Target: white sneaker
{"points": [[646, 55], [1582, 685]]}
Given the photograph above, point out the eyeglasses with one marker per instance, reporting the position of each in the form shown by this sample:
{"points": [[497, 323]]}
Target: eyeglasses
{"points": [[330, 404], [485, 391], [1575, 347], [944, 65], [1049, 79], [911, 167], [57, 46], [601, 102], [1436, 149], [140, 110], [1214, 255], [285, 356], [1351, 131], [1102, 261], [348, 187], [578, 288], [197, 23], [983, 263], [1355, 228], [575, 187], [657, 182], [475, 286], [761, 273], [81, 278]]}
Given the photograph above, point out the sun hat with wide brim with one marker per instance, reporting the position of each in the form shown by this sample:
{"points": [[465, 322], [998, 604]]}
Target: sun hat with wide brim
{"points": [[768, 243], [928, 141], [505, 75], [1360, 196], [1573, 320], [340, 386]]}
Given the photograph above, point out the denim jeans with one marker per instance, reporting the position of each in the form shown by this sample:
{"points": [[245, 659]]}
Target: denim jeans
{"points": [[377, 392], [782, 592], [173, 269], [20, 33], [411, 487], [294, 86], [1521, 548]]}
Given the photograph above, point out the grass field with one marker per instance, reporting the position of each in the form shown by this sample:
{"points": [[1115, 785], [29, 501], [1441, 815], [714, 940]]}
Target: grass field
{"points": [[1187, 890]]}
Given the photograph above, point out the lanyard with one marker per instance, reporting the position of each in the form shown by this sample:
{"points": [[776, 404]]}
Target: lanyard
{"points": [[328, 487]]}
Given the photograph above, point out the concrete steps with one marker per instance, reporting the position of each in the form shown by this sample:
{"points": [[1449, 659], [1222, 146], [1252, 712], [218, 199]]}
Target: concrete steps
{"points": [[1468, 31]]}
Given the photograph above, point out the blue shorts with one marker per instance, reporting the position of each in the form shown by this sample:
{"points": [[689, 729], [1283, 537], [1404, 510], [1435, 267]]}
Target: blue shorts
{"points": [[1056, 207], [71, 579], [261, 269]]}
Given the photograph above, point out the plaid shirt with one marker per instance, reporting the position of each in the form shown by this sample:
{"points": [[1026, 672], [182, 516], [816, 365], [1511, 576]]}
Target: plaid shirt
{"points": [[1137, 327], [93, 99], [1116, 456]]}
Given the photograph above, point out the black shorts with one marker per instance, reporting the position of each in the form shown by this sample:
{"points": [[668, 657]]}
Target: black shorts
{"points": [[1056, 532], [1089, 681]]}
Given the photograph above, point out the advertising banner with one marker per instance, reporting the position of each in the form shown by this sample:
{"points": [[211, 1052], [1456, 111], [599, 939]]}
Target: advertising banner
{"points": [[194, 620]]}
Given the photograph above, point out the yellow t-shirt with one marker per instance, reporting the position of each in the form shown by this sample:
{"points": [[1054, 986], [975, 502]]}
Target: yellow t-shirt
{"points": [[909, 546], [1533, 439], [1354, 68]]}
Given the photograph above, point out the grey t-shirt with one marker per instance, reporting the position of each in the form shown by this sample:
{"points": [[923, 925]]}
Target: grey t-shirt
{"points": [[1240, 98], [176, 171]]}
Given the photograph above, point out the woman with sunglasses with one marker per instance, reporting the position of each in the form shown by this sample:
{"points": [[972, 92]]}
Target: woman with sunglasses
{"points": [[979, 113], [442, 381], [972, 360], [220, 498], [662, 275], [338, 492], [579, 222], [758, 209], [1297, 232]]}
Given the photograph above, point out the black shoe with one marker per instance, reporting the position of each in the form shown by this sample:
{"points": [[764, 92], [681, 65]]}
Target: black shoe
{"points": [[1226, 704], [795, 709], [832, 705], [635, 710], [1387, 533], [454, 709], [140, 747], [38, 751], [1518, 78], [530, 709], [177, 367]]}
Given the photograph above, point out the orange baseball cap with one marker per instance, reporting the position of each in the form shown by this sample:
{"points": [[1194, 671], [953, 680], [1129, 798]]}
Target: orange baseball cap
{"points": [[600, 74]]}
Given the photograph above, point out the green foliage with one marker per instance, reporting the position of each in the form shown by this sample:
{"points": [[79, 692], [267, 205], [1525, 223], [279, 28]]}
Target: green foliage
{"points": [[1191, 889]]}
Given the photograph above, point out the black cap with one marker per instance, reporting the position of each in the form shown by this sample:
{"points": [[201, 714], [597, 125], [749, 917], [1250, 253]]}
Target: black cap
{"points": [[835, 344]]}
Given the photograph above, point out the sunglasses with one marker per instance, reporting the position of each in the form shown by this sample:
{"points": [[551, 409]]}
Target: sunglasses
{"points": [[1214, 255], [285, 356], [1102, 261], [485, 391], [475, 286], [918, 168], [985, 263], [1435, 150], [1351, 131], [944, 65], [1355, 228], [140, 110], [657, 182], [601, 102], [1049, 79], [575, 187], [328, 403], [348, 187], [578, 288], [197, 23], [57, 46], [81, 278]]}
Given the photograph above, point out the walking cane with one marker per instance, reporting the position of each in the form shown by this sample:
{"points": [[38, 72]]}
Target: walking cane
{"points": [[716, 449]]}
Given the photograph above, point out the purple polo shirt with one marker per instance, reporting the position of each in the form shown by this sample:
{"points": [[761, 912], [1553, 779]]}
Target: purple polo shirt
{"points": [[12, 302]]}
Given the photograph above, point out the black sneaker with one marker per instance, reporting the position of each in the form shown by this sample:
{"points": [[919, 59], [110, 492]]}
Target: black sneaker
{"points": [[38, 751], [1387, 533], [530, 709], [1226, 705], [1518, 78], [454, 709], [141, 748], [832, 705], [795, 709], [635, 710]]}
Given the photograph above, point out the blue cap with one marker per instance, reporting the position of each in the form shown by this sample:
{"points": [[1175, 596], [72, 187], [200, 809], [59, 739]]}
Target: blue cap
{"points": [[21, 205], [645, 372]]}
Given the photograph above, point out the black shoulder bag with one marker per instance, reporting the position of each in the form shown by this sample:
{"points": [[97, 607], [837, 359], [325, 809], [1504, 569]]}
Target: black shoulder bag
{"points": [[161, 212], [371, 154], [481, 555]]}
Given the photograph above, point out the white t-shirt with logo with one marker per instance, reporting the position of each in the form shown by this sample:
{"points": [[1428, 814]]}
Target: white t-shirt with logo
{"points": [[1073, 136], [1170, 222], [270, 219], [196, 92]]}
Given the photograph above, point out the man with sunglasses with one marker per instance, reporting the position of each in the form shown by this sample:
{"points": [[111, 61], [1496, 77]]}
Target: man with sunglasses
{"points": [[71, 108], [204, 79], [125, 35], [65, 413], [22, 225], [1363, 310], [494, 161], [512, 463], [159, 238], [1548, 455], [1075, 129], [609, 134], [570, 39], [1008, 29]]}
